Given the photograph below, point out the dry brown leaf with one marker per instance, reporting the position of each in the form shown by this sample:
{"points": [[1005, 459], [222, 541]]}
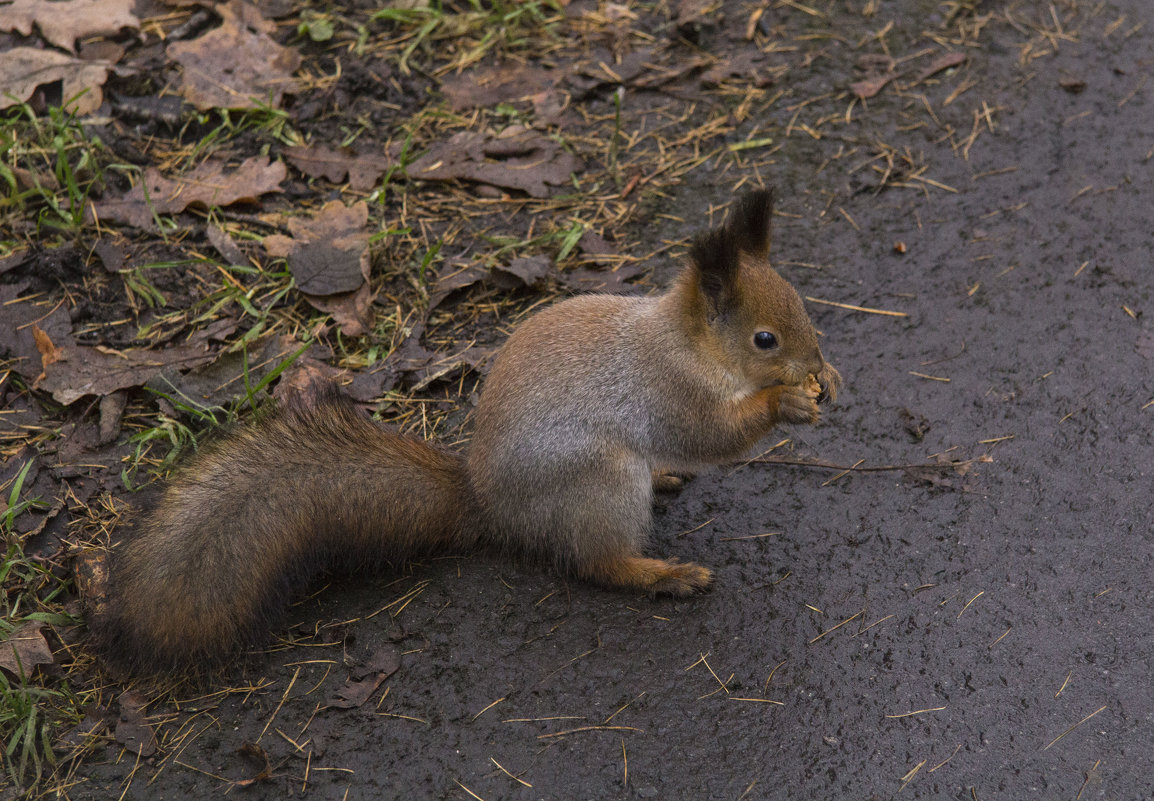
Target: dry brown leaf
{"points": [[83, 370], [258, 755], [746, 66], [328, 256], [62, 22], [865, 89], [133, 731], [45, 353], [207, 185], [942, 62], [454, 276], [225, 245], [18, 317], [354, 692], [24, 649], [364, 681], [524, 160], [479, 88], [690, 12], [529, 270], [49, 353], [23, 69], [237, 65], [334, 164]]}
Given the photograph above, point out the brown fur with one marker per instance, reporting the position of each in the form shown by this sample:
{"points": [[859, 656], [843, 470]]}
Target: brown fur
{"points": [[255, 514], [587, 402]]}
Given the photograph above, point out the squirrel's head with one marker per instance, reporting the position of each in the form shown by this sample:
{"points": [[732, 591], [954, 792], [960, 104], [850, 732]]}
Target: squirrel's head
{"points": [[754, 318]]}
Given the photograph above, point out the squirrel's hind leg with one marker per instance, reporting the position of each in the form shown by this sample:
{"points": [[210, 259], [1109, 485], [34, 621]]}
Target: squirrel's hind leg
{"points": [[655, 576], [631, 482], [667, 482]]}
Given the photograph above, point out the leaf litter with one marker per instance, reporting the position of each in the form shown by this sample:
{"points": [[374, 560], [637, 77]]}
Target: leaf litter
{"points": [[24, 69], [515, 159], [64, 22], [211, 184], [237, 65], [328, 256]]}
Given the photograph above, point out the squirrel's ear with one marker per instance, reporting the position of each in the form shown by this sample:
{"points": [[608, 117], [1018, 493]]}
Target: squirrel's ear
{"points": [[715, 254], [750, 223], [713, 261]]}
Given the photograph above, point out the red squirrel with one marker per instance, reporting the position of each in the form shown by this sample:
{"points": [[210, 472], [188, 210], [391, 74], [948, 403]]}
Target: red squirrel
{"points": [[587, 402]]}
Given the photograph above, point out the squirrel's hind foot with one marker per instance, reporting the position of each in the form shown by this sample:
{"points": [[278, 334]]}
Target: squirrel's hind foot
{"points": [[667, 482], [654, 576]]}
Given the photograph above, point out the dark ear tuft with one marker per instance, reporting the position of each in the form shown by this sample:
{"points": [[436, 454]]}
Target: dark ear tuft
{"points": [[714, 254], [714, 260], [750, 223]]}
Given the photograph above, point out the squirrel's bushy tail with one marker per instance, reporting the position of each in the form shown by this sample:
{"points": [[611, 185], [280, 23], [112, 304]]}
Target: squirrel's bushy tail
{"points": [[251, 517]]}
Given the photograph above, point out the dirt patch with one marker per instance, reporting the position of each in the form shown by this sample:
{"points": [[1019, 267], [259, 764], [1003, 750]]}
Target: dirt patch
{"points": [[973, 630]]}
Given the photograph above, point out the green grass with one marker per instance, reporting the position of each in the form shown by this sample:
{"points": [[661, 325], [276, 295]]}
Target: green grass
{"points": [[488, 26], [29, 716], [265, 121], [29, 713], [49, 167], [157, 447]]}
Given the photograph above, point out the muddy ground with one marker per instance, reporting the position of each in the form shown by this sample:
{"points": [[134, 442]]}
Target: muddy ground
{"points": [[975, 632]]}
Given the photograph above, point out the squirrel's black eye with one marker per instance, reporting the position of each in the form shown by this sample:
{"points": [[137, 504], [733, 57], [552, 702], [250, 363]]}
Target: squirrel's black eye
{"points": [[765, 340]]}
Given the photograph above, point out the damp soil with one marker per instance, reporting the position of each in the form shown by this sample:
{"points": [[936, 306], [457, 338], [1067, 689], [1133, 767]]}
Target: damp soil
{"points": [[976, 630]]}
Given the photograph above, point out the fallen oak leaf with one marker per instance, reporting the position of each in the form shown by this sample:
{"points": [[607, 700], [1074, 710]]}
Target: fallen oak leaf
{"points": [[62, 22], [354, 692], [237, 65], [209, 184], [364, 681], [111, 413], [334, 164], [24, 649], [879, 70], [18, 341], [529, 270], [479, 88], [583, 279], [751, 66], [524, 160], [23, 69], [468, 357], [596, 247], [328, 255], [225, 245], [49, 353], [456, 276], [133, 731], [81, 370]]}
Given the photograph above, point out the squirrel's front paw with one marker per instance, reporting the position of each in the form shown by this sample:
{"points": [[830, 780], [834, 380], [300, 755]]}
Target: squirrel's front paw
{"points": [[799, 404], [829, 382]]}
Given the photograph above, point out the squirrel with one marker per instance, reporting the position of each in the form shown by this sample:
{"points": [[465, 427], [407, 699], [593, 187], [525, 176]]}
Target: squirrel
{"points": [[588, 404]]}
